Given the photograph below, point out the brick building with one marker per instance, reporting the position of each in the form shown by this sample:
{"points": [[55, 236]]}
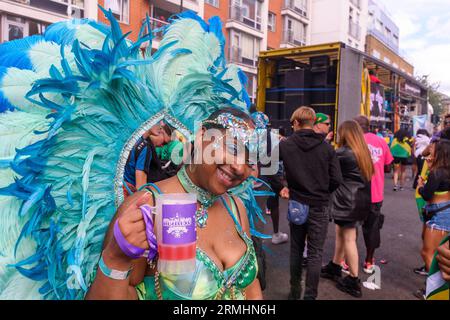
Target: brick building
{"points": [[22, 18], [381, 51]]}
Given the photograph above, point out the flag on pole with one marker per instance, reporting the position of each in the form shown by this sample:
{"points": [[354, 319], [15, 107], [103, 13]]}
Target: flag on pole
{"points": [[437, 287]]}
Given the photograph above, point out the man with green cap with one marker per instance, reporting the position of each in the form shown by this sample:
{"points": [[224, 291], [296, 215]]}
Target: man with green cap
{"points": [[322, 126]]}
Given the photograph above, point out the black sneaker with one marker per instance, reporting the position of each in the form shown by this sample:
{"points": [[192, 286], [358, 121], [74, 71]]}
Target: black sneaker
{"points": [[421, 271], [350, 285], [331, 271]]}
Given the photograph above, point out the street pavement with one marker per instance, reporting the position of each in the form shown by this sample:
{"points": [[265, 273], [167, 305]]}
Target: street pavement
{"points": [[400, 247]]}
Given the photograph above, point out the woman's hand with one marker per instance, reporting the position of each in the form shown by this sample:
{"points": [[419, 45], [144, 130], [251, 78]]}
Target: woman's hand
{"points": [[420, 183], [443, 258], [131, 224]]}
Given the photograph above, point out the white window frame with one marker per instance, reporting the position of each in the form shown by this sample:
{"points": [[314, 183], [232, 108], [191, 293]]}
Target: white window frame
{"points": [[6, 23], [122, 19], [272, 27], [214, 3], [238, 36]]}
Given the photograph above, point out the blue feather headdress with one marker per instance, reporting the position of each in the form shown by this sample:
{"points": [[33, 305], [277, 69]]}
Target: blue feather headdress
{"points": [[81, 93]]}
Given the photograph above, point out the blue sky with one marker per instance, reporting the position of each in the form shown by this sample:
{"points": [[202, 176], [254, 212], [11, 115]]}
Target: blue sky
{"points": [[425, 36]]}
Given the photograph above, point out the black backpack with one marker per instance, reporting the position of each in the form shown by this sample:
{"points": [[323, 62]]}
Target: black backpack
{"points": [[152, 166]]}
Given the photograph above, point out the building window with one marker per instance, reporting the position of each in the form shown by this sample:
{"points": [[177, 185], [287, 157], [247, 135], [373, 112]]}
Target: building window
{"points": [[244, 48], [294, 32], [388, 33], [396, 42], [376, 54], [119, 8], [14, 28], [250, 87], [299, 6], [214, 3], [70, 8], [379, 25], [387, 60], [247, 12], [271, 23]]}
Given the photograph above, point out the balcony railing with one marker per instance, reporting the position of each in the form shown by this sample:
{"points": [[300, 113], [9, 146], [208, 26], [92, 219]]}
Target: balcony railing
{"points": [[157, 24], [289, 37], [354, 30], [73, 9], [237, 13], [301, 9], [235, 55]]}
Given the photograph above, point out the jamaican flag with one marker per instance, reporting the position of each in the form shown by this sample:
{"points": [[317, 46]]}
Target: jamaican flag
{"points": [[401, 149], [419, 200], [437, 287]]}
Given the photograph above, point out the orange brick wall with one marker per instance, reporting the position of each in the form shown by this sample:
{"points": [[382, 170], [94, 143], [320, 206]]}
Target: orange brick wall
{"points": [[138, 10], [222, 12], [274, 38]]}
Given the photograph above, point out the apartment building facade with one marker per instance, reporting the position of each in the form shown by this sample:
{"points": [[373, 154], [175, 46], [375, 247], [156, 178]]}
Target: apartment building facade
{"points": [[131, 13], [22, 18], [339, 21], [382, 40], [251, 26]]}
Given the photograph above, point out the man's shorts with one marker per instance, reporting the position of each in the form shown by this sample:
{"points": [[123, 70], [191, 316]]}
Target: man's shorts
{"points": [[372, 226], [402, 161]]}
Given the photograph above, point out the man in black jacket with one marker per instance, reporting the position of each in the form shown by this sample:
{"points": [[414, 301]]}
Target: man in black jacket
{"points": [[313, 173]]}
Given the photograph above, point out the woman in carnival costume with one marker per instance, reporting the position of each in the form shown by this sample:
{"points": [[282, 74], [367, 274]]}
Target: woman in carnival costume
{"points": [[75, 100]]}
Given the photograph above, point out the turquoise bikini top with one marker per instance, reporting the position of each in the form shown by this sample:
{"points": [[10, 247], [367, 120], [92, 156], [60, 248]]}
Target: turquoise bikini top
{"points": [[208, 281]]}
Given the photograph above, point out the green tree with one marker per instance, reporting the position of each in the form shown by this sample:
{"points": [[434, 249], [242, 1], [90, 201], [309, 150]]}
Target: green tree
{"points": [[434, 96]]}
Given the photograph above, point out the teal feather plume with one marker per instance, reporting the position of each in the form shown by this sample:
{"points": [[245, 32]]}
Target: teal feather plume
{"points": [[92, 92]]}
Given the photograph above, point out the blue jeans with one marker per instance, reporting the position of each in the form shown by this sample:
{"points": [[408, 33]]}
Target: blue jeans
{"points": [[315, 228], [441, 220]]}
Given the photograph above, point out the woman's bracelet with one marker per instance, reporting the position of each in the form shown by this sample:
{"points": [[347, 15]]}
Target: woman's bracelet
{"points": [[112, 273]]}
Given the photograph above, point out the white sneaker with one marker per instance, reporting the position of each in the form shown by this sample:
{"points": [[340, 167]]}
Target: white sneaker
{"points": [[279, 238], [369, 268]]}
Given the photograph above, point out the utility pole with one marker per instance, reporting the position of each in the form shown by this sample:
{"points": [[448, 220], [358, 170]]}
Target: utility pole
{"points": [[181, 5]]}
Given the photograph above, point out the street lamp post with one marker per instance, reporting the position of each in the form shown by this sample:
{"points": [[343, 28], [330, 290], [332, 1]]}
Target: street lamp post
{"points": [[181, 5]]}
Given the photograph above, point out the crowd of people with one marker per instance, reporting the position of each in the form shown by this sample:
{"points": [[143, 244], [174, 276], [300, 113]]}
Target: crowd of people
{"points": [[324, 180], [356, 189], [88, 164]]}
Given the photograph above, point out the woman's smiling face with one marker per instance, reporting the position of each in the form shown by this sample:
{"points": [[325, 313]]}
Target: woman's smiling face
{"points": [[225, 162]]}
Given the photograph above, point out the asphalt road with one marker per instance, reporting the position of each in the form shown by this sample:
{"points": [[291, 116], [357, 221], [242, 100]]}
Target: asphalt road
{"points": [[400, 247]]}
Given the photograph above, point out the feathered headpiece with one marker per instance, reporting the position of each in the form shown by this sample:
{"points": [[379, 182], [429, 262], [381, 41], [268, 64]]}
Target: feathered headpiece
{"points": [[82, 94]]}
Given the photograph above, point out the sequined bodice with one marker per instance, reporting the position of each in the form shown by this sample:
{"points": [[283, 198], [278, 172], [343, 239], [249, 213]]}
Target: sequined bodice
{"points": [[207, 282]]}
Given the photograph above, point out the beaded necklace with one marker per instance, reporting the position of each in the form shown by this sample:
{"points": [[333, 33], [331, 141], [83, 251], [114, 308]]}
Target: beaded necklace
{"points": [[206, 198]]}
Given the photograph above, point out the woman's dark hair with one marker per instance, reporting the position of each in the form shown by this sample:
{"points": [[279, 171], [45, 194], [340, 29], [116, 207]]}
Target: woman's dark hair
{"points": [[423, 132], [445, 134], [401, 134], [442, 156], [168, 129]]}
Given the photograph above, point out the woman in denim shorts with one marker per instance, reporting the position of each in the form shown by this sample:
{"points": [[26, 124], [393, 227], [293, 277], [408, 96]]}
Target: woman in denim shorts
{"points": [[436, 192]]}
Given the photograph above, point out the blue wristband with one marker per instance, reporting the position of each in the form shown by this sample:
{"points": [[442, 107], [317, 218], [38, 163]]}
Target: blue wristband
{"points": [[111, 273]]}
